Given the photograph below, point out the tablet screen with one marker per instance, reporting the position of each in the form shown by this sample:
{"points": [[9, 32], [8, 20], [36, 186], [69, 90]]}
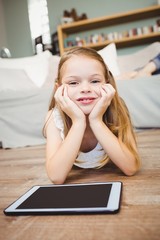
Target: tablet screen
{"points": [[85, 196]]}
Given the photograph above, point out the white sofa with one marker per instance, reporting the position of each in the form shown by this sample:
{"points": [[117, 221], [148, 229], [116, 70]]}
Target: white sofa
{"points": [[26, 86]]}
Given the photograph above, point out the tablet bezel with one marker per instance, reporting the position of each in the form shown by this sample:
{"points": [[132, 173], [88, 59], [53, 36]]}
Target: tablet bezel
{"points": [[113, 205]]}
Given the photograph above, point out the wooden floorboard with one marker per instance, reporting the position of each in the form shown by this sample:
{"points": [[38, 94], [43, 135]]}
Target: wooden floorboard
{"points": [[139, 216]]}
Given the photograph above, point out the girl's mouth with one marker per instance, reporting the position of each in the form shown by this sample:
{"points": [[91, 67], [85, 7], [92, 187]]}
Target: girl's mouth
{"points": [[86, 100]]}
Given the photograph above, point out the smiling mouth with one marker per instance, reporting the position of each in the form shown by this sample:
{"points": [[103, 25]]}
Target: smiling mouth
{"points": [[86, 100]]}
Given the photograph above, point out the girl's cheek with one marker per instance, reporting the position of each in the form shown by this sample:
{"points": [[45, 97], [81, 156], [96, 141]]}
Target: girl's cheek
{"points": [[97, 90], [69, 92]]}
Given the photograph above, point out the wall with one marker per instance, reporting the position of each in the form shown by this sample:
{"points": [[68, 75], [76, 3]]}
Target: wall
{"points": [[17, 29], [3, 37]]}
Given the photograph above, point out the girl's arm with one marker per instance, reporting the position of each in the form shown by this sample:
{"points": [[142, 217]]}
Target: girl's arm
{"points": [[117, 151], [62, 154]]}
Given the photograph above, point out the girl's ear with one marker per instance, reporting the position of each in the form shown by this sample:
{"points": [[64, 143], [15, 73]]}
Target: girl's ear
{"points": [[57, 85]]}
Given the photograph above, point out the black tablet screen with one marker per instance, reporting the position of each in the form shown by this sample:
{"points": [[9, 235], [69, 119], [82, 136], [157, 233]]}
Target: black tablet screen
{"points": [[84, 196]]}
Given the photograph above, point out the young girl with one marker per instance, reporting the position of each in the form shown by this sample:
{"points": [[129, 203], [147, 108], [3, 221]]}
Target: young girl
{"points": [[88, 123]]}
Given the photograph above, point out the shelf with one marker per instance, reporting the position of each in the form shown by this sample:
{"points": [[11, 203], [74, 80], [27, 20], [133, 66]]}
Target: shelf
{"points": [[136, 40], [116, 19]]}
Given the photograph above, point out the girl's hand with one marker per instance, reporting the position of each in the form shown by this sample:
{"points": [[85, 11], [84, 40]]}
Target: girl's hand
{"points": [[107, 94], [67, 105]]}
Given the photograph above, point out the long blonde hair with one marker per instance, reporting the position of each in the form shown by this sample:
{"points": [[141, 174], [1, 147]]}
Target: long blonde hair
{"points": [[116, 117]]}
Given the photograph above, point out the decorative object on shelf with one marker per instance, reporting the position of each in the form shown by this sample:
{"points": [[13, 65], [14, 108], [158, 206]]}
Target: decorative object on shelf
{"points": [[158, 22], [72, 16], [66, 17]]}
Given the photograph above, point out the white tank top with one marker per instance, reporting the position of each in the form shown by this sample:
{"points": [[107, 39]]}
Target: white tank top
{"points": [[91, 159]]}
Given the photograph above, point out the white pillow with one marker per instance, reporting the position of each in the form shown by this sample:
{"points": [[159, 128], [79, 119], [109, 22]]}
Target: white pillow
{"points": [[109, 55], [53, 71], [36, 67], [15, 80]]}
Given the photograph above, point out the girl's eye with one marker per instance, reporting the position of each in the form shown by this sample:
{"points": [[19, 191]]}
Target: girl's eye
{"points": [[95, 81], [73, 83]]}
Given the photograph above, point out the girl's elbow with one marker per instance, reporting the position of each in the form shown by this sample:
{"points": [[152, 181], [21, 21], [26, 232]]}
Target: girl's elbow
{"points": [[57, 180], [131, 171], [132, 168], [54, 176]]}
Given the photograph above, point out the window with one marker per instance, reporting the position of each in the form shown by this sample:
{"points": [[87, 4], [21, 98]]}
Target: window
{"points": [[39, 23]]}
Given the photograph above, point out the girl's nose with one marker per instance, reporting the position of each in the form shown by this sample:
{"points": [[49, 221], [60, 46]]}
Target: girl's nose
{"points": [[85, 87]]}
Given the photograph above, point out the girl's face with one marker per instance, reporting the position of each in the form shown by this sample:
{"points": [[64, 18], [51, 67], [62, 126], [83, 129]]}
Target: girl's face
{"points": [[84, 77]]}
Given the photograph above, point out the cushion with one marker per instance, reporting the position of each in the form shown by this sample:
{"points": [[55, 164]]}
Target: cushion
{"points": [[53, 70], [109, 55], [142, 99], [36, 67], [138, 59], [14, 79]]}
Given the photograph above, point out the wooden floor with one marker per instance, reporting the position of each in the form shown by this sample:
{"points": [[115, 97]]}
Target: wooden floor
{"points": [[138, 219]]}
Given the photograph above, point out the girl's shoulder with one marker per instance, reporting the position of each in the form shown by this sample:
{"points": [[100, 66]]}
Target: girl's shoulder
{"points": [[56, 116], [48, 115], [53, 116], [47, 121]]}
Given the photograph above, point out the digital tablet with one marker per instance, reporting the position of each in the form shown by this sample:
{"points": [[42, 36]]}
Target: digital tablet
{"points": [[103, 197]]}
